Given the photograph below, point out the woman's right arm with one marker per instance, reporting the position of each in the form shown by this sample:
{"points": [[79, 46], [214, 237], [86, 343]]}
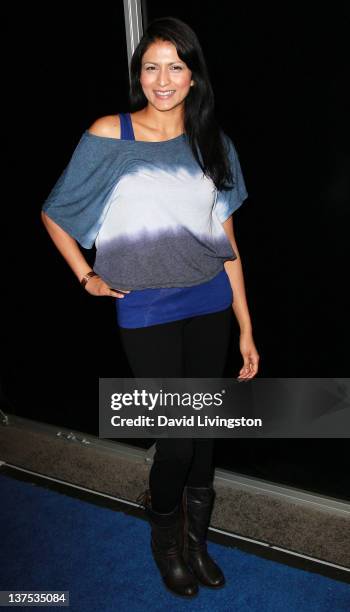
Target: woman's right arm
{"points": [[69, 249]]}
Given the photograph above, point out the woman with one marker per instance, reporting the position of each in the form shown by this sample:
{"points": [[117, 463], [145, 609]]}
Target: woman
{"points": [[155, 190]]}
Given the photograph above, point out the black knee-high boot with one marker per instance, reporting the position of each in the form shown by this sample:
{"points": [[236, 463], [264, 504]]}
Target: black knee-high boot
{"points": [[197, 508], [166, 546]]}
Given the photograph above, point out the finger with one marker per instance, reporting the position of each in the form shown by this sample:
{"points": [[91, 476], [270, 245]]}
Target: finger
{"points": [[247, 371], [252, 371], [242, 377], [120, 290], [116, 294], [245, 368]]}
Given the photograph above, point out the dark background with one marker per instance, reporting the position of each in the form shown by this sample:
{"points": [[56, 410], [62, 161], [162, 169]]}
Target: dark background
{"points": [[279, 74]]}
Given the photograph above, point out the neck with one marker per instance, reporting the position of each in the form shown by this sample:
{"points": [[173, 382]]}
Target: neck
{"points": [[165, 123]]}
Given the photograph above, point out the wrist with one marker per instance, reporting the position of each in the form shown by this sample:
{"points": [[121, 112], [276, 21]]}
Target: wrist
{"points": [[85, 279], [246, 328]]}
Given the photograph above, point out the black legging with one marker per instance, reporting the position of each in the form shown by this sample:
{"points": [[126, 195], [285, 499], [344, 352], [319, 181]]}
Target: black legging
{"points": [[195, 347]]}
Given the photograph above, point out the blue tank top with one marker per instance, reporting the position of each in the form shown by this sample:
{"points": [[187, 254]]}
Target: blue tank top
{"points": [[145, 307]]}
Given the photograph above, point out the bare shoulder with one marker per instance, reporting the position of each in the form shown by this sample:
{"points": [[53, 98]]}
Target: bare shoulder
{"points": [[107, 127]]}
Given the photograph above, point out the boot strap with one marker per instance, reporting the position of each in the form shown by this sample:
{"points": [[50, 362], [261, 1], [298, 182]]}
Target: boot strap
{"points": [[144, 499]]}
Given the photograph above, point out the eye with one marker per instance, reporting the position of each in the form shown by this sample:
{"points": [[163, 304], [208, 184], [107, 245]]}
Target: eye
{"points": [[174, 67]]}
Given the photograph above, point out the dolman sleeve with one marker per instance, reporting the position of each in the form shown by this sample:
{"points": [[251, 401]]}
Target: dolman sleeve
{"points": [[77, 202], [228, 201]]}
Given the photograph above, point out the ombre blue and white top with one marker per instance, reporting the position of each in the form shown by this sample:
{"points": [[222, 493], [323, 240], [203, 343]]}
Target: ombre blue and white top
{"points": [[155, 219]]}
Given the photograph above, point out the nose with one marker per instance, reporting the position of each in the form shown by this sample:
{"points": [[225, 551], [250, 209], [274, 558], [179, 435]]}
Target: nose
{"points": [[163, 77]]}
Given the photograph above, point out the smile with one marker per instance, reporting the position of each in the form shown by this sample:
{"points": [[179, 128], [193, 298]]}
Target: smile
{"points": [[164, 94]]}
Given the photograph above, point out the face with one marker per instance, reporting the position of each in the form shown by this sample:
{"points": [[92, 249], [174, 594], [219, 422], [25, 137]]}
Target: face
{"points": [[163, 71]]}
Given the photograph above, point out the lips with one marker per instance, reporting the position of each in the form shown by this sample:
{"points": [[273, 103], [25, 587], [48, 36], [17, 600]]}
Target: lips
{"points": [[164, 94]]}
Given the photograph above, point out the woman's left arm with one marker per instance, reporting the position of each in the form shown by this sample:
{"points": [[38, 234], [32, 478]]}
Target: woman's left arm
{"points": [[234, 271]]}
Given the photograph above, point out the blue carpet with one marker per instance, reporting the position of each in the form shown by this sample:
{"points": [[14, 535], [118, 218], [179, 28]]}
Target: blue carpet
{"points": [[50, 541]]}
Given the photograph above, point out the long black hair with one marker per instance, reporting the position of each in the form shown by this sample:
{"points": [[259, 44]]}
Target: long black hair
{"points": [[200, 123]]}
